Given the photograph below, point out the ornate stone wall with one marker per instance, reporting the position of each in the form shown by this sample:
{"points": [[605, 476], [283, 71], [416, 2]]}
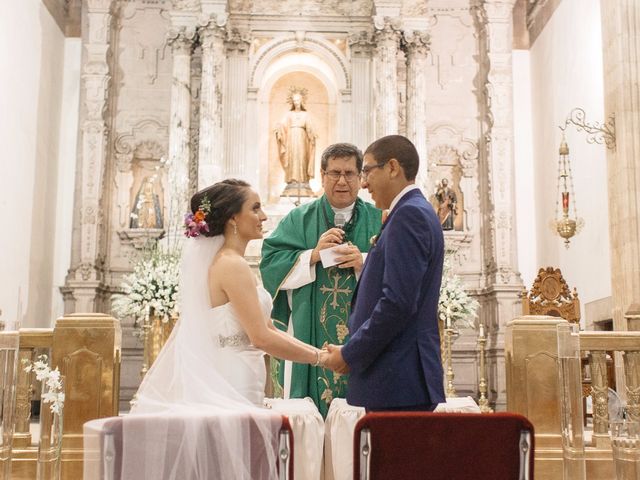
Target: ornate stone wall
{"points": [[178, 92]]}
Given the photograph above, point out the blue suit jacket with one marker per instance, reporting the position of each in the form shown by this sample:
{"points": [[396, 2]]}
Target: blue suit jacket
{"points": [[394, 349]]}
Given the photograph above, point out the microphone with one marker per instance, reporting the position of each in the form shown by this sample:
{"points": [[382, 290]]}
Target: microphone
{"points": [[339, 220]]}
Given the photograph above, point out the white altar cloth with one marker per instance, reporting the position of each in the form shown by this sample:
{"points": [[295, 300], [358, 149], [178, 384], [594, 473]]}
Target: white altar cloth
{"points": [[338, 439], [308, 435]]}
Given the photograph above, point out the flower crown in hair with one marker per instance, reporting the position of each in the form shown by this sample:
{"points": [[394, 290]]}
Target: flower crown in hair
{"points": [[195, 223]]}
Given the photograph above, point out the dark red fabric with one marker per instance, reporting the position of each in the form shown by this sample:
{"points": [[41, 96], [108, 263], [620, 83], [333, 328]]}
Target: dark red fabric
{"points": [[443, 446]]}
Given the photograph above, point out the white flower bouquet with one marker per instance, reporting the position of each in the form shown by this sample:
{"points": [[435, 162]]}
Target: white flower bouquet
{"points": [[53, 392], [152, 287], [456, 309]]}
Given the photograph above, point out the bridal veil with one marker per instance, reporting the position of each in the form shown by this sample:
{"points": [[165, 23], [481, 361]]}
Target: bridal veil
{"points": [[188, 422]]}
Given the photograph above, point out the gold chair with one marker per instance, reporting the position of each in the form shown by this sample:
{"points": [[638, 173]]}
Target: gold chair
{"points": [[550, 295]]}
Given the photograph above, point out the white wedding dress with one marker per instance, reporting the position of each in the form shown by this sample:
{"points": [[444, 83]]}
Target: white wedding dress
{"points": [[199, 411]]}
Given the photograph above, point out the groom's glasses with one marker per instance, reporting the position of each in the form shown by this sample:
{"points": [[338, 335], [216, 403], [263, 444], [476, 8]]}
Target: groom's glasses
{"points": [[366, 170], [348, 176]]}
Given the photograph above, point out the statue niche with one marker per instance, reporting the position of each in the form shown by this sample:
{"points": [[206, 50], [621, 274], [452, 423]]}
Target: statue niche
{"points": [[147, 212], [447, 198], [296, 140]]}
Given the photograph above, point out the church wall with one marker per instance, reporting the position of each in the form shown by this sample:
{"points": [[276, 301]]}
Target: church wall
{"points": [[566, 72], [67, 149], [32, 51], [524, 168]]}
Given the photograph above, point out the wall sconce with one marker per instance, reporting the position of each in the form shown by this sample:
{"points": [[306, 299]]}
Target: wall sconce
{"points": [[568, 223], [596, 132]]}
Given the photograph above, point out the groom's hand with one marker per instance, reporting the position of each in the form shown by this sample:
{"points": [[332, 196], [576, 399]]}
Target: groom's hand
{"points": [[334, 360]]}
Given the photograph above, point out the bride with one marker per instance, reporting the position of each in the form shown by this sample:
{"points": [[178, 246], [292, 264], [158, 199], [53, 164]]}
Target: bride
{"points": [[199, 411]]}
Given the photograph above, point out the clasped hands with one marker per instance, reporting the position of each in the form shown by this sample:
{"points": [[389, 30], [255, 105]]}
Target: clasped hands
{"points": [[331, 358]]}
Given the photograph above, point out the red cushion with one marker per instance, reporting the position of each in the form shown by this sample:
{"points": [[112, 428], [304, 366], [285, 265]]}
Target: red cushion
{"points": [[443, 446]]}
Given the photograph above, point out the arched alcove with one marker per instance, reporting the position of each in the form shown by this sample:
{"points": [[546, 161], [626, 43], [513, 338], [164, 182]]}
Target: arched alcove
{"points": [[315, 64]]}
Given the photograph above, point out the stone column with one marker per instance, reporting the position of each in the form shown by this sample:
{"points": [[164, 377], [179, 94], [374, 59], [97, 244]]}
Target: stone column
{"points": [[362, 47], [212, 34], [387, 37], [84, 288], [621, 44], [499, 297], [416, 49], [176, 201], [235, 104]]}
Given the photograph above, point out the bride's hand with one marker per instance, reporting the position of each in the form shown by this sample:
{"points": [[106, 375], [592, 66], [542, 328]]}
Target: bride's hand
{"points": [[324, 355]]}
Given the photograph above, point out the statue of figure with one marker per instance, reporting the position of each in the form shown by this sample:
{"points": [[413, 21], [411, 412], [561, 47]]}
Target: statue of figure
{"points": [[296, 144], [447, 204], [146, 212]]}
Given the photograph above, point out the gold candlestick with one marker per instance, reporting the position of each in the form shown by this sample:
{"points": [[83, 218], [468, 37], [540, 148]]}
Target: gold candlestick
{"points": [[145, 331], [483, 401], [450, 391]]}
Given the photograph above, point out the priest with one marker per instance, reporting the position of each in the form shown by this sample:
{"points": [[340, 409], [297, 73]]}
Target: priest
{"points": [[312, 295]]}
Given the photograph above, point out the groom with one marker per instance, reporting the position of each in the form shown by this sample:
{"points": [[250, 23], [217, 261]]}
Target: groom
{"points": [[393, 354]]}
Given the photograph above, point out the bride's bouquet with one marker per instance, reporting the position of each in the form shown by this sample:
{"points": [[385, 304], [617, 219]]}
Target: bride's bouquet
{"points": [[152, 287], [456, 309]]}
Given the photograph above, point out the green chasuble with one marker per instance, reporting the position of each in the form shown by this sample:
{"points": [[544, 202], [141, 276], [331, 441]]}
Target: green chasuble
{"points": [[321, 308]]}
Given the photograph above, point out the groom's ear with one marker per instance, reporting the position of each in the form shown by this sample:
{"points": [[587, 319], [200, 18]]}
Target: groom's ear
{"points": [[395, 168]]}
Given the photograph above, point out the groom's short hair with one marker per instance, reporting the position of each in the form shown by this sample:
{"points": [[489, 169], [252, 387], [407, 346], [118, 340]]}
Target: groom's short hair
{"points": [[398, 147]]}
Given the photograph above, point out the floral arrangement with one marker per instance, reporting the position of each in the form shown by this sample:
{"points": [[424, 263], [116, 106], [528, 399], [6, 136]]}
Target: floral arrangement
{"points": [[195, 223], [152, 287], [53, 394], [456, 309]]}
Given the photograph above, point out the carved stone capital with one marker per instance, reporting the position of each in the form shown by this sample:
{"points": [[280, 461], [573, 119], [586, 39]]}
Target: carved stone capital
{"points": [[499, 10], [213, 20], [211, 34], [237, 41], [361, 43], [387, 33], [416, 43], [181, 40]]}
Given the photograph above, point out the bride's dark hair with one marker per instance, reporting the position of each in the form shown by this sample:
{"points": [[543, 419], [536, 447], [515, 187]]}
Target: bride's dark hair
{"points": [[226, 199]]}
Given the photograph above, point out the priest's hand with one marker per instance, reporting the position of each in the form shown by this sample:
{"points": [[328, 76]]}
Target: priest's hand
{"points": [[350, 257], [330, 238], [334, 360]]}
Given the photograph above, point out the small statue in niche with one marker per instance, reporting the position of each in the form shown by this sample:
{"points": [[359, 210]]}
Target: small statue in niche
{"points": [[296, 145], [146, 212], [447, 204]]}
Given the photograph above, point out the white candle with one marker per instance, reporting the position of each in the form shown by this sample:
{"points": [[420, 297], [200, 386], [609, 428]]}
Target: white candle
{"points": [[481, 330]]}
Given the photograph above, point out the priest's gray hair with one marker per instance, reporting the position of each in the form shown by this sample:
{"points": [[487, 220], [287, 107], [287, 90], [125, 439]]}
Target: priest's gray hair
{"points": [[341, 150]]}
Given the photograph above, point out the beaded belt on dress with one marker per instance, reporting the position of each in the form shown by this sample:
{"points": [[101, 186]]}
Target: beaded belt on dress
{"points": [[234, 340]]}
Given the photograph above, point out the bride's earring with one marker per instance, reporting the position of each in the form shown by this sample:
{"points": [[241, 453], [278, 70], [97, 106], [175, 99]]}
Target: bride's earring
{"points": [[235, 228]]}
